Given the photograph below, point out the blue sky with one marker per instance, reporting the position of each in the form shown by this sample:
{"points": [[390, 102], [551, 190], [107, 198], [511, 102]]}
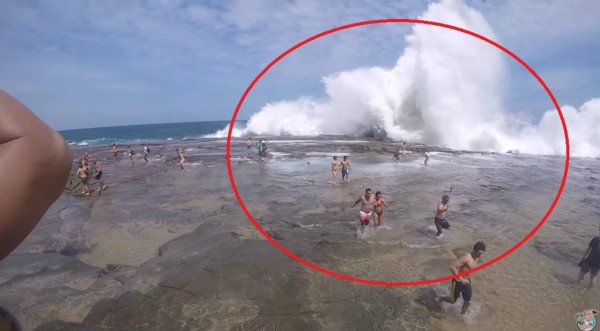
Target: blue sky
{"points": [[101, 63]]}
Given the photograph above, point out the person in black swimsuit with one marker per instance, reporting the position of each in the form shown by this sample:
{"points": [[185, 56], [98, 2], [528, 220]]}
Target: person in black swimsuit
{"points": [[590, 262]]}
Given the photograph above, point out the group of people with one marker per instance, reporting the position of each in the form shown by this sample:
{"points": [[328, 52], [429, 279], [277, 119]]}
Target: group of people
{"points": [[345, 168], [261, 148], [130, 153], [84, 172], [460, 286], [402, 151]]}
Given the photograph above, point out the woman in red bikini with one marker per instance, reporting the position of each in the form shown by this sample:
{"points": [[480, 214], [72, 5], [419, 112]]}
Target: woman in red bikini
{"points": [[378, 204]]}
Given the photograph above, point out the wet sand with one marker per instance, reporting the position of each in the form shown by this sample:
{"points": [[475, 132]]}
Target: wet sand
{"points": [[163, 249]]}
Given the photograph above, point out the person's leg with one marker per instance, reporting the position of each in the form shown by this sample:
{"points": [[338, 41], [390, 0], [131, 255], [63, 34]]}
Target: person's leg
{"points": [[580, 277], [466, 291], [593, 274], [584, 269], [465, 307], [454, 293], [438, 226]]}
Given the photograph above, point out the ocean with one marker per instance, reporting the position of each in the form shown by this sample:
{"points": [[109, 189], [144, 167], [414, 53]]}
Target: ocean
{"points": [[143, 133]]}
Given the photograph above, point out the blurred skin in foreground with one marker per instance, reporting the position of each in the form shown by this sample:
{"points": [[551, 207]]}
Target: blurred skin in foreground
{"points": [[35, 163]]}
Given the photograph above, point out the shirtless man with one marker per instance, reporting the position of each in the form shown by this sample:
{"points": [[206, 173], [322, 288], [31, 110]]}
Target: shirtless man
{"points": [[366, 210], [462, 285], [98, 176], [404, 151], [440, 216], [427, 156], [345, 168], [115, 151], [83, 175], [334, 168]]}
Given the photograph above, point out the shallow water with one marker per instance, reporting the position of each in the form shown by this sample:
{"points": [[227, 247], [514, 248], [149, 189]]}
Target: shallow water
{"points": [[497, 199], [180, 238]]}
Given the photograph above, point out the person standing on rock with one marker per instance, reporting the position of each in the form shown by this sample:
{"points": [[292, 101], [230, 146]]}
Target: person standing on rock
{"points": [[115, 151], [98, 175], [249, 144], [181, 155], [146, 152], [83, 174], [130, 152]]}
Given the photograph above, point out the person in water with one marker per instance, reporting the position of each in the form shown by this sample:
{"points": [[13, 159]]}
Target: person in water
{"points": [[461, 286], [590, 262], [334, 168], [378, 206], [146, 152], [345, 168], [366, 209], [427, 156], [440, 216], [130, 152]]}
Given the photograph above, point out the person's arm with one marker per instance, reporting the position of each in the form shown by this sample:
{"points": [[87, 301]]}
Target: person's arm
{"points": [[455, 266], [384, 203], [585, 255], [357, 201], [35, 163]]}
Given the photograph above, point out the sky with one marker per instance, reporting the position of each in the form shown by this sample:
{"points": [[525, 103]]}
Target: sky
{"points": [[80, 64]]}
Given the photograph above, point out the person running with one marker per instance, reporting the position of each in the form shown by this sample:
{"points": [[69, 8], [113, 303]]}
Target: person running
{"points": [[440, 216], [366, 209], [461, 286], [345, 168], [427, 156], [83, 175], [378, 205], [146, 152], [130, 152], [590, 262], [181, 155], [334, 168], [98, 176], [115, 151]]}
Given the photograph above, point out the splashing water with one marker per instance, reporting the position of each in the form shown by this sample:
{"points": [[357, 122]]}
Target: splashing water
{"points": [[445, 89]]}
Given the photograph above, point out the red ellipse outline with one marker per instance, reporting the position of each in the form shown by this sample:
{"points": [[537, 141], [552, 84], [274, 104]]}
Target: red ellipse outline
{"points": [[387, 283]]}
